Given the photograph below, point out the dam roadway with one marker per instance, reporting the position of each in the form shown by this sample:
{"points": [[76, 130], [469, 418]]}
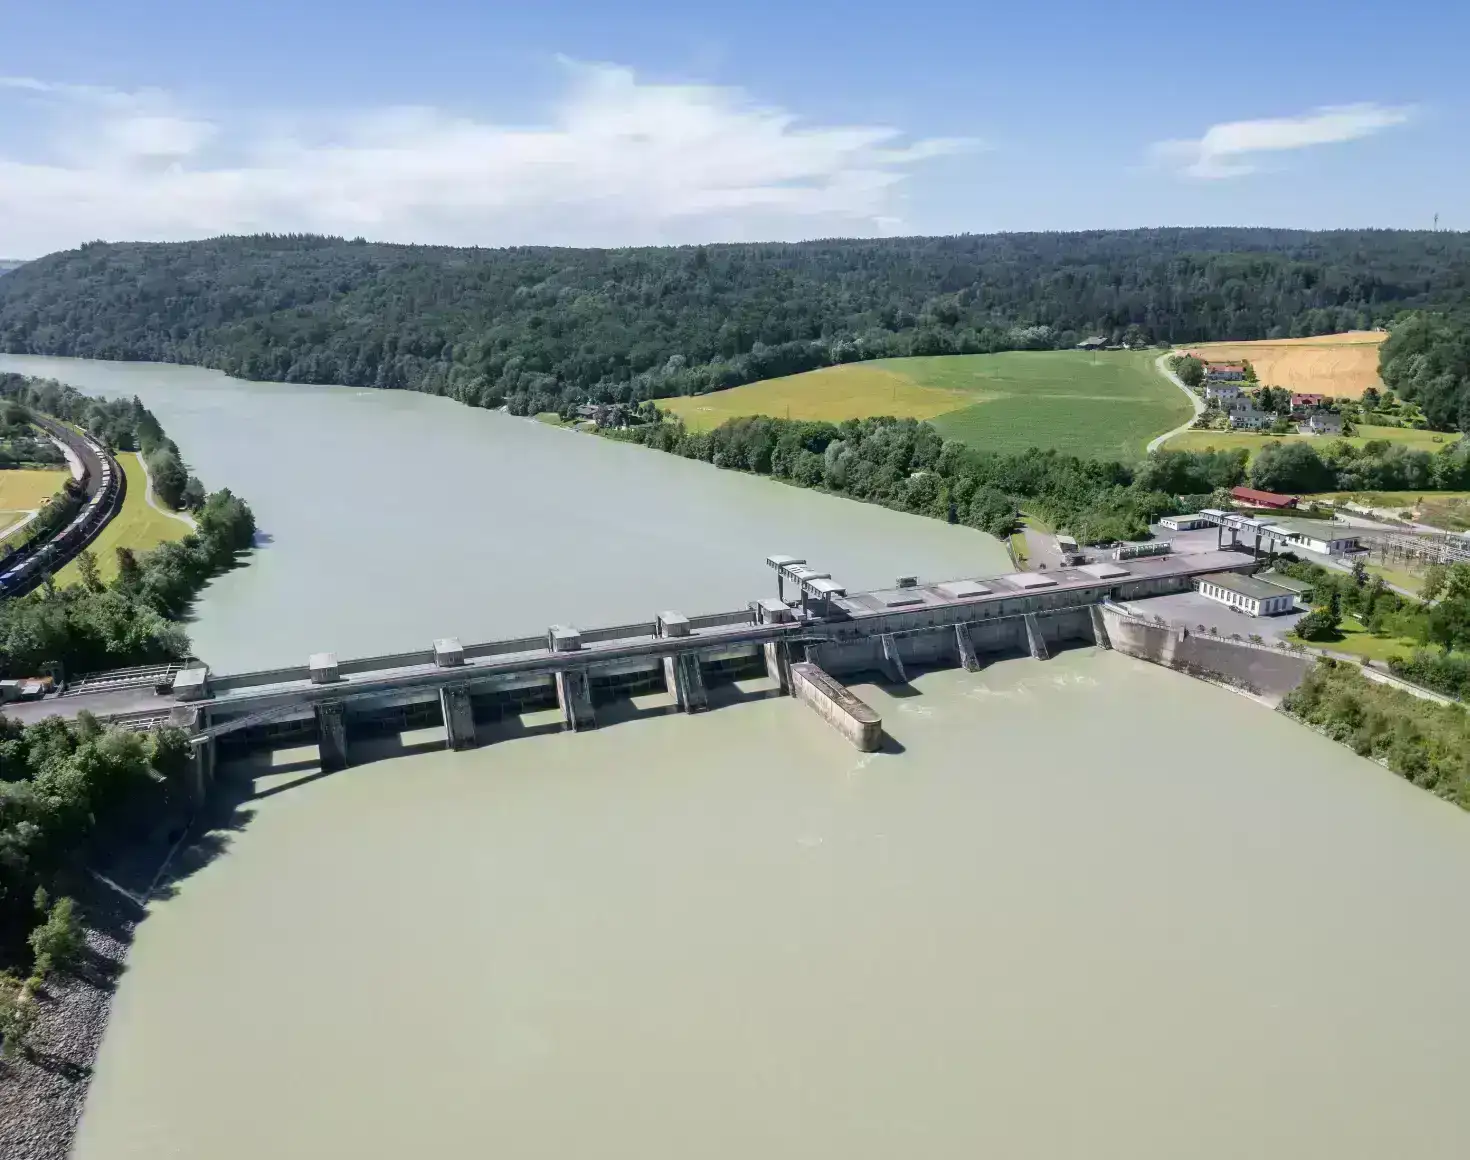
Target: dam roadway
{"points": [[813, 622]]}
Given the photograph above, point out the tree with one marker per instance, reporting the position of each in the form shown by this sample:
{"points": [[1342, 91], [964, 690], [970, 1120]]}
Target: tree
{"points": [[991, 510], [1191, 371], [1436, 576], [60, 941], [87, 568], [1250, 371], [1290, 467]]}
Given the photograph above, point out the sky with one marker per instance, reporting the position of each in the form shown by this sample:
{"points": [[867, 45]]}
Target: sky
{"points": [[603, 122]]}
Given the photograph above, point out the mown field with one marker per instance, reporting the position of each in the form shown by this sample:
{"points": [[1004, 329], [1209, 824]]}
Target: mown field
{"points": [[1344, 365], [1105, 404], [137, 526], [25, 489], [1430, 441]]}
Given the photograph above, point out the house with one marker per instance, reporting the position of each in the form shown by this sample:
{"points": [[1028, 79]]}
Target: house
{"points": [[1251, 419], [1250, 497], [1222, 392], [1304, 401], [1320, 536], [1321, 423], [1183, 523], [1253, 596], [1096, 342], [1224, 372]]}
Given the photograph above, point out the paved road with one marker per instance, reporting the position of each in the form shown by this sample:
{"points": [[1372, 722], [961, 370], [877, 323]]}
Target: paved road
{"points": [[154, 504], [1161, 364]]}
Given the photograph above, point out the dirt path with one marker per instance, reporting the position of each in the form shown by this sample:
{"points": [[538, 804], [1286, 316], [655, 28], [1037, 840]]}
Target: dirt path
{"points": [[158, 507], [1161, 364]]}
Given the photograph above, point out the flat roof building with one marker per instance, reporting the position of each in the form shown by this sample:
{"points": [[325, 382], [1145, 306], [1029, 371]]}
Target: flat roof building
{"points": [[1320, 536], [1183, 523], [1249, 594]]}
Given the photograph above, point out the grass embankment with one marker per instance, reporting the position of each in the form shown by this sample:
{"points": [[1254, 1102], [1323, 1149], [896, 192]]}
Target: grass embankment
{"points": [[1354, 639], [1253, 441], [138, 526], [1104, 405], [1424, 742], [1342, 365]]}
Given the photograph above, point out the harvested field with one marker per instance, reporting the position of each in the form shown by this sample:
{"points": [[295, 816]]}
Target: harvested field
{"points": [[1342, 365]]}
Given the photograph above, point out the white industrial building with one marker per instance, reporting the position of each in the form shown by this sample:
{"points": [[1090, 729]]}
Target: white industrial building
{"points": [[1184, 523], [1250, 595]]}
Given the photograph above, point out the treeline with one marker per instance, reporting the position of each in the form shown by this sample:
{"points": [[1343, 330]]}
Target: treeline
{"points": [[1379, 465], [539, 329], [20, 443], [95, 625], [1427, 743], [68, 789], [122, 424], [1427, 360]]}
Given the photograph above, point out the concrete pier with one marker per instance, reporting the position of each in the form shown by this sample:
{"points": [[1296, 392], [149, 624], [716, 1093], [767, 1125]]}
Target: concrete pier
{"points": [[851, 716], [459, 716], [778, 664], [966, 646], [685, 680], [892, 661], [1100, 628], [574, 695], [331, 726], [1034, 640]]}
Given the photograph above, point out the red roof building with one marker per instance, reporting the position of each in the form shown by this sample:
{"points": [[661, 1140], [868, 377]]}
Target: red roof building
{"points": [[1261, 499], [1308, 400]]}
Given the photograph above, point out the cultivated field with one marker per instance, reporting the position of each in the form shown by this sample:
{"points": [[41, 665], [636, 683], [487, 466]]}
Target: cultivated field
{"points": [[137, 526], [23, 489], [1344, 365], [1106, 404], [1430, 441]]}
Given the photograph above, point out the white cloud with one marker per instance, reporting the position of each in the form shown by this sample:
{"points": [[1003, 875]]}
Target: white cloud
{"points": [[618, 161], [1226, 150]]}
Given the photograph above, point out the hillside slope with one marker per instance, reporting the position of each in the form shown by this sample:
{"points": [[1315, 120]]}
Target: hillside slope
{"points": [[541, 329]]}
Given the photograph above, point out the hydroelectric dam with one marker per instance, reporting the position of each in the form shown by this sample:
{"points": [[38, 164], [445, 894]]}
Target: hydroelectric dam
{"points": [[805, 638]]}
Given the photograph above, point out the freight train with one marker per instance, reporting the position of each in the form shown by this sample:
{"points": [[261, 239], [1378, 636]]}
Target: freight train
{"points": [[22, 570]]}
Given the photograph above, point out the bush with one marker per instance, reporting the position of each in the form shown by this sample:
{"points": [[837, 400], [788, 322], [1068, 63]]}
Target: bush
{"points": [[60, 941]]}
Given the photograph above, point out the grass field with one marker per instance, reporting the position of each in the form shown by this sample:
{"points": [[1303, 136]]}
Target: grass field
{"points": [[23, 489], [137, 526], [1344, 365], [1356, 640], [1106, 404], [1441, 509], [1430, 441]]}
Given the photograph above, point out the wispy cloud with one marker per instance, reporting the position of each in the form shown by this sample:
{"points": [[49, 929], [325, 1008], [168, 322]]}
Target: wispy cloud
{"points": [[1229, 149], [618, 160]]}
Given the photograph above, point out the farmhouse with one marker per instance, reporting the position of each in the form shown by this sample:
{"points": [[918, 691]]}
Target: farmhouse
{"points": [[1301, 401], [1252, 596], [1261, 499], [1096, 342], [1251, 419], [1222, 392], [1224, 372]]}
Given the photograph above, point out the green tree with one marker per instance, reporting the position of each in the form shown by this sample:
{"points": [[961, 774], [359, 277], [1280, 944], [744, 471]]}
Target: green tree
{"points": [[1291, 468], [1191, 371], [87, 568], [60, 942], [1436, 576]]}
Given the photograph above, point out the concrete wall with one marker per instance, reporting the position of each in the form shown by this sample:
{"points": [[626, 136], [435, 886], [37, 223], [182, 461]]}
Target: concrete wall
{"points": [[1269, 673], [843, 710]]}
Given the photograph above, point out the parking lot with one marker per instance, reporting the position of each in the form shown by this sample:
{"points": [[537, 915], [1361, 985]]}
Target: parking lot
{"points": [[1191, 609]]}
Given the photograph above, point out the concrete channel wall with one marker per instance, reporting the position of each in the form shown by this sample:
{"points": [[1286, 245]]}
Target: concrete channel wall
{"points": [[1266, 672]]}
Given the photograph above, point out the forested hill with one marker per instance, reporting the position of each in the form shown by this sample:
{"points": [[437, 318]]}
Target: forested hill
{"points": [[542, 329], [8, 264]]}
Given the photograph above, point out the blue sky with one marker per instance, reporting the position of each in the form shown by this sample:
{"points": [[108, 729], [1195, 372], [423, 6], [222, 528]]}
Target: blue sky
{"points": [[613, 123]]}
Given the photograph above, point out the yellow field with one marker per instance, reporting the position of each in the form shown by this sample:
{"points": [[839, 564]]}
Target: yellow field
{"points": [[137, 526], [22, 489], [1343, 365], [853, 391]]}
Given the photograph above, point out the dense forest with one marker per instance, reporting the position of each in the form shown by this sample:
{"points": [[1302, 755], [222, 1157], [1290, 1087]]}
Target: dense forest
{"points": [[1427, 360], [540, 329]]}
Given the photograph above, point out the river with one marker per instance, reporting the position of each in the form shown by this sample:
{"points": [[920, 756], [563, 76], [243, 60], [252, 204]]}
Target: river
{"points": [[1084, 908]]}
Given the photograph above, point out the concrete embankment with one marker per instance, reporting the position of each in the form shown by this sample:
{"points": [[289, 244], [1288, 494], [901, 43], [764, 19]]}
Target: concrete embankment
{"points": [[851, 716], [1266, 672]]}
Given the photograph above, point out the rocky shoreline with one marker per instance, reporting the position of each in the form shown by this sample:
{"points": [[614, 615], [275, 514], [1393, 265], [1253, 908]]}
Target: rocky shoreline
{"points": [[43, 1091]]}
